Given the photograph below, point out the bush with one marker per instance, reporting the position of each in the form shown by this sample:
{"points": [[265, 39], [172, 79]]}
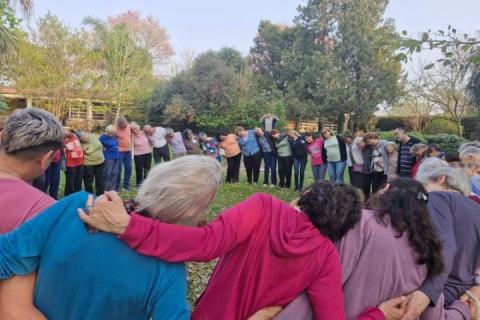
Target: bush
{"points": [[389, 123], [390, 135], [471, 127], [441, 126], [448, 142]]}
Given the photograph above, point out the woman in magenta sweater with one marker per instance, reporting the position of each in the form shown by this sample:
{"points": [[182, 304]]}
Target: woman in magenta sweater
{"points": [[269, 251]]}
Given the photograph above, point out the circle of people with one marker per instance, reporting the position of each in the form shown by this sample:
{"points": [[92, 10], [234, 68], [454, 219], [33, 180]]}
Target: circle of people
{"points": [[407, 247]]}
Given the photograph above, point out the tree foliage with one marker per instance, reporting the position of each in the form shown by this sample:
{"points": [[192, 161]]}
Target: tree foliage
{"points": [[338, 57]]}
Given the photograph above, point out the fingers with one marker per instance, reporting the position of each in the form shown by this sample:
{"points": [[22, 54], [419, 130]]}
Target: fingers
{"points": [[83, 216], [400, 301], [464, 298], [114, 197]]}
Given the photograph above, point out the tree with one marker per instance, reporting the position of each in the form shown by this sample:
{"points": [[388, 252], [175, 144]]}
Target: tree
{"points": [[9, 23], [127, 68], [147, 33], [338, 58], [50, 63]]}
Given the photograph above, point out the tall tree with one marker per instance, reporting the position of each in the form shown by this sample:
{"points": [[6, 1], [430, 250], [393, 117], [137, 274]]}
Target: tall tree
{"points": [[50, 62], [9, 23]]}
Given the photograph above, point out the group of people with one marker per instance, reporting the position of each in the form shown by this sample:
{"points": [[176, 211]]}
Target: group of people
{"points": [[411, 251], [97, 163]]}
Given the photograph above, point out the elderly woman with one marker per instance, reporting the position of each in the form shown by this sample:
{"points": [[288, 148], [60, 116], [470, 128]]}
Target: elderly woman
{"points": [[94, 162], [418, 151], [335, 154], [285, 158], [123, 133], [111, 154], [379, 164], [142, 153], [97, 277], [175, 140], [470, 160], [209, 146], [456, 221], [392, 151]]}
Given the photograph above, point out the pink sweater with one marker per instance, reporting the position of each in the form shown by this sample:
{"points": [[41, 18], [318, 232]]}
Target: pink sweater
{"points": [[269, 254]]}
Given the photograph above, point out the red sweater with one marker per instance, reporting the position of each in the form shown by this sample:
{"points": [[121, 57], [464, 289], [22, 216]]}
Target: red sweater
{"points": [[269, 254], [73, 151]]}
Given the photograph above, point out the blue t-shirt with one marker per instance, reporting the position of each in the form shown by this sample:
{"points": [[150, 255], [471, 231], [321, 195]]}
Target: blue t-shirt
{"points": [[249, 144], [110, 145], [95, 277]]}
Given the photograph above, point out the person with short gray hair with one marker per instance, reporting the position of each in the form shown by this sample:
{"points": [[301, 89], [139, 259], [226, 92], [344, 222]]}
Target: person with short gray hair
{"points": [[142, 153], [111, 154], [156, 136], [30, 139], [470, 161], [456, 222]]}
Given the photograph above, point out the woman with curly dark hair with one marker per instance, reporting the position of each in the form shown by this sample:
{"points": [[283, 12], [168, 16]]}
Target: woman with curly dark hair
{"points": [[387, 254], [270, 252]]}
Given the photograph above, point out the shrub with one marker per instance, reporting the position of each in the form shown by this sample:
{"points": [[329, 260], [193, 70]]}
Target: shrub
{"points": [[439, 126], [448, 142], [389, 123], [471, 127], [390, 135]]}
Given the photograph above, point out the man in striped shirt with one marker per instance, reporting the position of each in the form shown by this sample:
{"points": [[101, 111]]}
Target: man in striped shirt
{"points": [[405, 158]]}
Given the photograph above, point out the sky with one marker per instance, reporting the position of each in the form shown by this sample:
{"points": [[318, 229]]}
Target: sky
{"points": [[200, 25]]}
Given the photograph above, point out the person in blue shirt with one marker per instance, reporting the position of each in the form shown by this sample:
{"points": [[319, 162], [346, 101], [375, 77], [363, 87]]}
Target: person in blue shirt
{"points": [[95, 277], [252, 156], [112, 156]]}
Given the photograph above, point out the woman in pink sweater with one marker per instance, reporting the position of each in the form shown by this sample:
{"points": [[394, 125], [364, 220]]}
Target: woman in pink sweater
{"points": [[269, 251]]}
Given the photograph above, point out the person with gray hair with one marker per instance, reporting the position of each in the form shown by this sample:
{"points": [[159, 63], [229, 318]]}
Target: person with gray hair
{"points": [[470, 162], [111, 154], [456, 222], [30, 139], [175, 140], [123, 134]]}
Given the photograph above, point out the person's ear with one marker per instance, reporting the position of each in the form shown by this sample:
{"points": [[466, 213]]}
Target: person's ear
{"points": [[46, 159], [442, 179]]}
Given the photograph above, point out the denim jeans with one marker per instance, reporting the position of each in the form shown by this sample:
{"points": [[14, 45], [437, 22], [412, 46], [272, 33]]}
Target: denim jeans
{"points": [[111, 174], [52, 179], [270, 170], [319, 172], [124, 162], [336, 171], [73, 179], [95, 173], [299, 166]]}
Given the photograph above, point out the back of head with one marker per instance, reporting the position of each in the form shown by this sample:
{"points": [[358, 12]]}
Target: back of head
{"points": [[180, 191], [405, 204], [432, 169], [333, 208], [121, 122], [31, 132]]}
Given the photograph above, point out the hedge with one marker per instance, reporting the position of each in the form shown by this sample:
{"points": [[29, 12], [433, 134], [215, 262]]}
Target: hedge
{"points": [[448, 142], [471, 125]]}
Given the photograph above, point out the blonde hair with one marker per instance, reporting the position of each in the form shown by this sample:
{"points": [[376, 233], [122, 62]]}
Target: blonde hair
{"points": [[180, 191]]}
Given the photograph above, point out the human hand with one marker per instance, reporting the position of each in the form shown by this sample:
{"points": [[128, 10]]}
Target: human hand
{"points": [[106, 214], [471, 298], [267, 313], [416, 305], [394, 309]]}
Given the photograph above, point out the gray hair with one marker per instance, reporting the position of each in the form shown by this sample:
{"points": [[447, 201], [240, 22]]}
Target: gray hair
{"points": [[30, 128], [169, 131], [392, 144], [110, 128], [469, 144], [134, 126], [470, 154], [455, 179], [417, 147], [121, 121], [147, 127], [179, 191]]}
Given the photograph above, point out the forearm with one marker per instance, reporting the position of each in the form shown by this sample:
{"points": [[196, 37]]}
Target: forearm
{"points": [[371, 314], [16, 299]]}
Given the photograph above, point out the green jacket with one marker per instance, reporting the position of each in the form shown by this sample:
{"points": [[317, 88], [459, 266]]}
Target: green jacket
{"points": [[93, 150], [284, 147]]}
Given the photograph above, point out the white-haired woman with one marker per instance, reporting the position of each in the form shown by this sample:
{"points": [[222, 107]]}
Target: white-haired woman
{"points": [[470, 162], [457, 222], [142, 153], [392, 151], [111, 153]]}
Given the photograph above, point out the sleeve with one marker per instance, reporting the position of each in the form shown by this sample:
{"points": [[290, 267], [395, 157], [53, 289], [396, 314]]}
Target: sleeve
{"points": [[350, 248], [172, 304], [441, 215], [175, 243], [371, 314], [20, 249], [325, 294], [456, 311]]}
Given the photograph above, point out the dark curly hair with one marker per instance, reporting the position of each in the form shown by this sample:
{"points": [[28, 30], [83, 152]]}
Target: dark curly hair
{"points": [[333, 208], [405, 204]]}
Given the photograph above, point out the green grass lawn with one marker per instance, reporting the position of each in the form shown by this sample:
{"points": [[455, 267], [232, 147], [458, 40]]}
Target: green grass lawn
{"points": [[228, 195]]}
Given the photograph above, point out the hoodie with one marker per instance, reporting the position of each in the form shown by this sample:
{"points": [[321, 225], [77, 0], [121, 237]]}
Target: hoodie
{"points": [[269, 254]]}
